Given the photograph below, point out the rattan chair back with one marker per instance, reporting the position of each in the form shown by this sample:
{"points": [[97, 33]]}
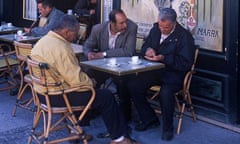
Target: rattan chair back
{"points": [[47, 83]]}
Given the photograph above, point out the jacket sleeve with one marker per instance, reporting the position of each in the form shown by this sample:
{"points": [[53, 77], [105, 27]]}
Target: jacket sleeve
{"points": [[51, 23], [149, 41], [91, 42], [183, 56], [69, 69]]}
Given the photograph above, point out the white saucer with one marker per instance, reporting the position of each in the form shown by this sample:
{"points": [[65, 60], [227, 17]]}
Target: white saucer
{"points": [[137, 63], [113, 65]]}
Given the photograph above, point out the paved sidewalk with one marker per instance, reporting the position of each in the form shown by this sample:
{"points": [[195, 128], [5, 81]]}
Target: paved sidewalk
{"points": [[15, 130]]}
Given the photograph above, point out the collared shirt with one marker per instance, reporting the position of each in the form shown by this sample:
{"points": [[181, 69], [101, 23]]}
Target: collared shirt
{"points": [[57, 52], [163, 36], [112, 38]]}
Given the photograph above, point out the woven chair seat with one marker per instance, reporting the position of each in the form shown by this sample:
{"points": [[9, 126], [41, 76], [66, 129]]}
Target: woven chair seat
{"points": [[11, 61], [7, 69]]}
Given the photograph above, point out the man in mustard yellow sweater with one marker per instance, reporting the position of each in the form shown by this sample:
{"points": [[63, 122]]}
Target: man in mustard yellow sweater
{"points": [[55, 49]]}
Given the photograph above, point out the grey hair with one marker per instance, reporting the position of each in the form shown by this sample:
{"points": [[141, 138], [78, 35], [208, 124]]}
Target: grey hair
{"points": [[67, 21], [167, 14]]}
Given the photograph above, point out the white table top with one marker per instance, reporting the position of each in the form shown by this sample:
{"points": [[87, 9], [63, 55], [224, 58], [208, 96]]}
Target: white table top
{"points": [[123, 66], [13, 37], [9, 29]]}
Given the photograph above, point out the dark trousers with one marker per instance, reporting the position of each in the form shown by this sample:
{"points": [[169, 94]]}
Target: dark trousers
{"points": [[138, 88], [122, 90], [105, 103]]}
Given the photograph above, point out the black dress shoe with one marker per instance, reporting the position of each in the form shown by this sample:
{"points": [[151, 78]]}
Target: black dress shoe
{"points": [[148, 125], [167, 136]]}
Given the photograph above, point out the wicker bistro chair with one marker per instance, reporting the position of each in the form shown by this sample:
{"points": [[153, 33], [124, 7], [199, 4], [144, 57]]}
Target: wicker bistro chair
{"points": [[47, 83], [22, 51], [182, 98], [82, 33], [8, 66]]}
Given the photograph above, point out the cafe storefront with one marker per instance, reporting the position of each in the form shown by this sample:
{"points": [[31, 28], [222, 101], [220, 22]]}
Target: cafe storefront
{"points": [[214, 25]]}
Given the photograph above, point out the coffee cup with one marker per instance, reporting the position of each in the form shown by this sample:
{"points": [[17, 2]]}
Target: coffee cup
{"points": [[69, 12], [135, 59], [112, 61], [19, 32], [9, 24]]}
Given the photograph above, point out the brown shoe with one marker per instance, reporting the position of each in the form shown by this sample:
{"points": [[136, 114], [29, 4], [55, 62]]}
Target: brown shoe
{"points": [[124, 141]]}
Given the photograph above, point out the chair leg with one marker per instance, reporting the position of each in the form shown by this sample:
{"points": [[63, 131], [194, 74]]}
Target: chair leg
{"points": [[181, 104], [13, 83], [189, 100], [47, 126], [19, 96], [35, 123], [23, 103], [73, 119], [178, 106], [180, 115]]}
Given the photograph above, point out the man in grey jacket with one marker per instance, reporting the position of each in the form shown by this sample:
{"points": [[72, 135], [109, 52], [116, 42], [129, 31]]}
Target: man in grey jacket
{"points": [[46, 9], [114, 38]]}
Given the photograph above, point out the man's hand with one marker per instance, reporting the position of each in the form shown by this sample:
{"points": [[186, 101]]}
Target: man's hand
{"points": [[150, 54], [27, 30], [94, 55], [99, 55], [155, 58], [91, 55]]}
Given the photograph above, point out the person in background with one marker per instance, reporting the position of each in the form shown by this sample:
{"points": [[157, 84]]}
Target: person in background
{"points": [[169, 43], [55, 49], [47, 10], [86, 8], [86, 11]]}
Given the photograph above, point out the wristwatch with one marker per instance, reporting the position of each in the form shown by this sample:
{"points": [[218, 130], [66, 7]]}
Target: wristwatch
{"points": [[104, 54]]}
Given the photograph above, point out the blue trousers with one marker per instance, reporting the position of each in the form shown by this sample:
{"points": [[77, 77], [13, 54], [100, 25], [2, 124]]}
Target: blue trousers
{"points": [[138, 89]]}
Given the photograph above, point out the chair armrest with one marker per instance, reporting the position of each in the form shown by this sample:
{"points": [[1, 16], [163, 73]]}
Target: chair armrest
{"points": [[7, 49], [83, 88], [10, 53]]}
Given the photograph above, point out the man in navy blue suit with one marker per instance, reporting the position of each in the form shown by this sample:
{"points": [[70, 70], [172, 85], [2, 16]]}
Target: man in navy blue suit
{"points": [[171, 44]]}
